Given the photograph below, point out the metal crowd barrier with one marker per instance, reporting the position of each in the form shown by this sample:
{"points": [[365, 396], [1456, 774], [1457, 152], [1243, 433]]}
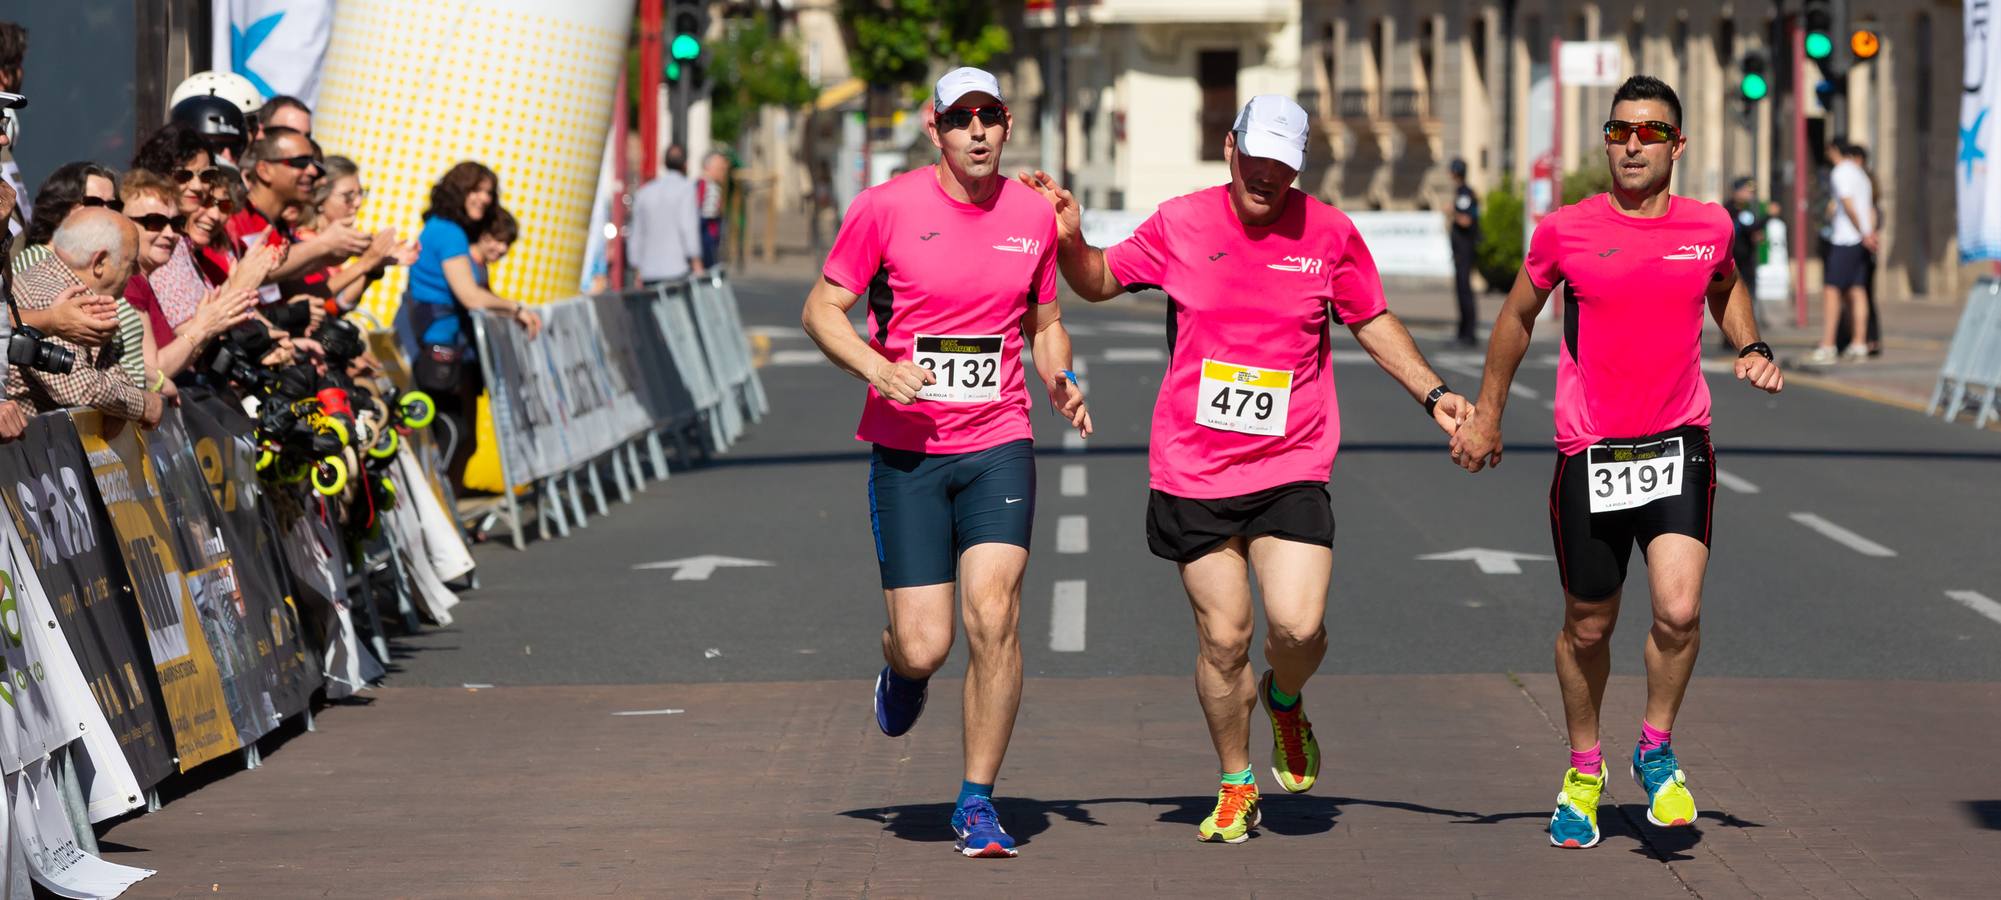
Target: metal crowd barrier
{"points": [[1973, 361], [612, 379]]}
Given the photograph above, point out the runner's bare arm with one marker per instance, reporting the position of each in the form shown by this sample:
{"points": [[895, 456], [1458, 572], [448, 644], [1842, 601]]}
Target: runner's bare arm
{"points": [[1478, 443], [825, 319], [1730, 304], [1049, 341], [1388, 342], [1083, 265]]}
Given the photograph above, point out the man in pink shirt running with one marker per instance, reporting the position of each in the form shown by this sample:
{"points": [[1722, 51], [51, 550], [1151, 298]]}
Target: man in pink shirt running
{"points": [[1634, 462], [959, 266], [1245, 426]]}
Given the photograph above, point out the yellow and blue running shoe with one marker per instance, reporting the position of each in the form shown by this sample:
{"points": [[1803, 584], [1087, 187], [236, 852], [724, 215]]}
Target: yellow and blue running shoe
{"points": [[1236, 813], [1295, 755], [1669, 804], [1574, 825], [980, 833]]}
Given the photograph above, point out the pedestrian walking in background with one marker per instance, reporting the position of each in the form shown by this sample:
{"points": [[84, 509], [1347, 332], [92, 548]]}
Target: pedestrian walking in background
{"points": [[710, 192], [664, 240], [1747, 218], [1851, 256], [1465, 241]]}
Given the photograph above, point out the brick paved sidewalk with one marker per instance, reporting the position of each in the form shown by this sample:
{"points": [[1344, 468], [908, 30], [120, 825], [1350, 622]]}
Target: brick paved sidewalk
{"points": [[1432, 786]]}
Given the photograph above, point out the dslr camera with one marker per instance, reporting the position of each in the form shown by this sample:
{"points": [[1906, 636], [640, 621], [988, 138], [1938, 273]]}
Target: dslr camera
{"points": [[28, 348]]}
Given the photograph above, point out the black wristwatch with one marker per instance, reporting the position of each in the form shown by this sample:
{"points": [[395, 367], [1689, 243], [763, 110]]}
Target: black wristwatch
{"points": [[1431, 399], [1759, 347]]}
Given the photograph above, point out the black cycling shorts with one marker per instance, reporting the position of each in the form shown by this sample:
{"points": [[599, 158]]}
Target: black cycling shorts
{"points": [[1185, 530], [1849, 266], [927, 508], [1592, 549]]}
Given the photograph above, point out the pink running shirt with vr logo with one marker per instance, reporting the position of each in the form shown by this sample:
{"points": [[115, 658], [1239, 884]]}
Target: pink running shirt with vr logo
{"points": [[947, 284], [1634, 293]]}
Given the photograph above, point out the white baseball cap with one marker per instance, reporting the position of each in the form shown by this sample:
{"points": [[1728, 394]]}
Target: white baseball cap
{"points": [[1272, 127], [962, 81]]}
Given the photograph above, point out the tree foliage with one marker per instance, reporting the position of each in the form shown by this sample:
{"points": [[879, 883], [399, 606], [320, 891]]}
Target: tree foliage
{"points": [[751, 68], [1499, 256], [895, 42]]}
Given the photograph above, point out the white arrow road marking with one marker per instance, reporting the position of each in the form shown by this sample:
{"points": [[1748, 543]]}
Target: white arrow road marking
{"points": [[1977, 602], [650, 712], [1066, 620], [1073, 534], [699, 568], [1735, 483], [1491, 562], [1842, 536], [1073, 480]]}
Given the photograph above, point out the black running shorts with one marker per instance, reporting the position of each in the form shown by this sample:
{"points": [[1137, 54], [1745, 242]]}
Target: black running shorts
{"points": [[1184, 530], [1592, 549], [927, 508]]}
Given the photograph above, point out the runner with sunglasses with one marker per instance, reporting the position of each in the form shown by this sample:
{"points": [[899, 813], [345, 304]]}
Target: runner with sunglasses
{"points": [[1246, 426], [959, 268], [1634, 463]]}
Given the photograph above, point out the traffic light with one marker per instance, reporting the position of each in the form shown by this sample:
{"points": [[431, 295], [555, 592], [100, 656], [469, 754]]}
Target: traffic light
{"points": [[687, 20], [1755, 85], [1864, 43], [1819, 23]]}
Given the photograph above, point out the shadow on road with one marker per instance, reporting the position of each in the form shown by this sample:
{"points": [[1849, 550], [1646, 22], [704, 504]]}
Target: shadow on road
{"points": [[1985, 813], [1024, 818]]}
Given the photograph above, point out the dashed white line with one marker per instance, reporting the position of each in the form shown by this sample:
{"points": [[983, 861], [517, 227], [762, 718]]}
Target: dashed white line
{"points": [[1066, 621], [1526, 393], [797, 357], [1135, 355], [1073, 480], [650, 712], [1073, 534], [1145, 328], [1977, 602], [1072, 442], [1843, 536], [1735, 482]]}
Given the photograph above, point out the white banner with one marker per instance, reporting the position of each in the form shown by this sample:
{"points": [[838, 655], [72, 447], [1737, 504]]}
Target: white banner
{"points": [[556, 401], [1979, 179], [1406, 243], [277, 44], [42, 835], [47, 702]]}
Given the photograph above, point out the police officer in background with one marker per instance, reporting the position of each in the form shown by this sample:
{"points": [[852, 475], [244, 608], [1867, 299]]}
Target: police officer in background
{"points": [[1465, 237], [1748, 216]]}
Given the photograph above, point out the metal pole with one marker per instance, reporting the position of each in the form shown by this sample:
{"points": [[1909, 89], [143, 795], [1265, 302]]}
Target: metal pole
{"points": [[1061, 79], [1556, 118], [1800, 168], [621, 127], [649, 87]]}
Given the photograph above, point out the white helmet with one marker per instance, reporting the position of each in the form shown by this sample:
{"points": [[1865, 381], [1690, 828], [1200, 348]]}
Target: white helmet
{"points": [[227, 85]]}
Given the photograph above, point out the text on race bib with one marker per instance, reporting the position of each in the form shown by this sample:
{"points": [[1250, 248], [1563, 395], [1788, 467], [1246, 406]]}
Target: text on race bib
{"points": [[1245, 399], [1624, 476], [967, 368]]}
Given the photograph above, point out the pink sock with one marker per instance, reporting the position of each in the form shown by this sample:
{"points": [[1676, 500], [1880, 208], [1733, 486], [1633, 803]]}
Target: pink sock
{"points": [[1587, 762], [1652, 738]]}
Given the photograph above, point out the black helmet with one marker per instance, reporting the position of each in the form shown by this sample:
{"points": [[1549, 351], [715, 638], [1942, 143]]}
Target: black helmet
{"points": [[217, 120]]}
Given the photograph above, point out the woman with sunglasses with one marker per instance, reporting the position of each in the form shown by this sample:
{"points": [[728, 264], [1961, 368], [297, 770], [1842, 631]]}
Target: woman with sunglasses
{"points": [[168, 347], [97, 319], [337, 199]]}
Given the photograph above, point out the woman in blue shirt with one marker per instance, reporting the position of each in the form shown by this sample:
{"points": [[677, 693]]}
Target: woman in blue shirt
{"points": [[444, 288]]}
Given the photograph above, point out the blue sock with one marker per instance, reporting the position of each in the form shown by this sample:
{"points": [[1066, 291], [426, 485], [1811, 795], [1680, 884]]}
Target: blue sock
{"points": [[1280, 700], [970, 789]]}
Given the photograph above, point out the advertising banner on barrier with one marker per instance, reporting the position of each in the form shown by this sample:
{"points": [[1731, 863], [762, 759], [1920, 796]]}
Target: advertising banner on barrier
{"points": [[34, 717], [226, 454], [53, 501], [42, 835], [556, 405], [190, 685]]}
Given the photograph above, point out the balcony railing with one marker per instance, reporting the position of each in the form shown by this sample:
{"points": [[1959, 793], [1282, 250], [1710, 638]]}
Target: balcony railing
{"points": [[1357, 104], [1406, 103]]}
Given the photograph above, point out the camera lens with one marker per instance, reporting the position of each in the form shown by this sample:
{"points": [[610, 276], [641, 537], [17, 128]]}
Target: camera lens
{"points": [[53, 359]]}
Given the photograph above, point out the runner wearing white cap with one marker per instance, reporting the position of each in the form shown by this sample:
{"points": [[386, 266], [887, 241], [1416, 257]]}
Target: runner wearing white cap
{"points": [[959, 266], [1245, 426]]}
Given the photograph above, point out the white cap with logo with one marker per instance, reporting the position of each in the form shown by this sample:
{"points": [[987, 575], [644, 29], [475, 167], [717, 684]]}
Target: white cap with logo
{"points": [[1272, 127], [962, 81]]}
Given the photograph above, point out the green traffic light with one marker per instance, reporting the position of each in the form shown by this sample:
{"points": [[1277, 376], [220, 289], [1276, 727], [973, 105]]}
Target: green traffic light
{"points": [[1754, 87], [673, 71], [1818, 45], [686, 46]]}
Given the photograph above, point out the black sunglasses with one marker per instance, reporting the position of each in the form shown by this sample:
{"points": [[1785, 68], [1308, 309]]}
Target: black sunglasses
{"points": [[159, 222], [301, 163], [114, 204], [991, 115], [1651, 132], [209, 176]]}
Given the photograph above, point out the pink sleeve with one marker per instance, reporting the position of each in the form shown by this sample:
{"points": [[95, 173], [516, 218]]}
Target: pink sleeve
{"points": [[1545, 249], [1045, 270], [1354, 285], [857, 252], [1142, 258]]}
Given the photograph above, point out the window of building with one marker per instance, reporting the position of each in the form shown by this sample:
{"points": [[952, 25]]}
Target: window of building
{"points": [[1330, 75], [1427, 35], [1476, 42], [1216, 78]]}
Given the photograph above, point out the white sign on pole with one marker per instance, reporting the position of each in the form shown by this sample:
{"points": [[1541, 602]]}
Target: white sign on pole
{"points": [[1591, 64]]}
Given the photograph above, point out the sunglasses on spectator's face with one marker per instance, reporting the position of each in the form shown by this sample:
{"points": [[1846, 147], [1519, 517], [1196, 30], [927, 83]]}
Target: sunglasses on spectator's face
{"points": [[210, 176], [991, 115], [159, 222], [114, 204], [1618, 132], [223, 203], [302, 163]]}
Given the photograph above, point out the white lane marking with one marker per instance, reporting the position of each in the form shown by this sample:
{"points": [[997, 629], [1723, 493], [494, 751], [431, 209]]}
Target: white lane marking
{"points": [[797, 358], [1079, 367], [1079, 328], [1350, 357], [476, 686], [1735, 482], [1143, 328], [1977, 602], [699, 568], [1072, 442], [1459, 368], [1073, 480], [1491, 562], [1135, 355], [1526, 393], [650, 712], [776, 331], [1843, 536], [1073, 534], [1549, 404], [1066, 622]]}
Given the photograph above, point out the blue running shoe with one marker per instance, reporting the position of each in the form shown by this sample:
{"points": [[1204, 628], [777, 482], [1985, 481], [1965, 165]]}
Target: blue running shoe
{"points": [[898, 702], [1575, 823], [979, 830], [1669, 804]]}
